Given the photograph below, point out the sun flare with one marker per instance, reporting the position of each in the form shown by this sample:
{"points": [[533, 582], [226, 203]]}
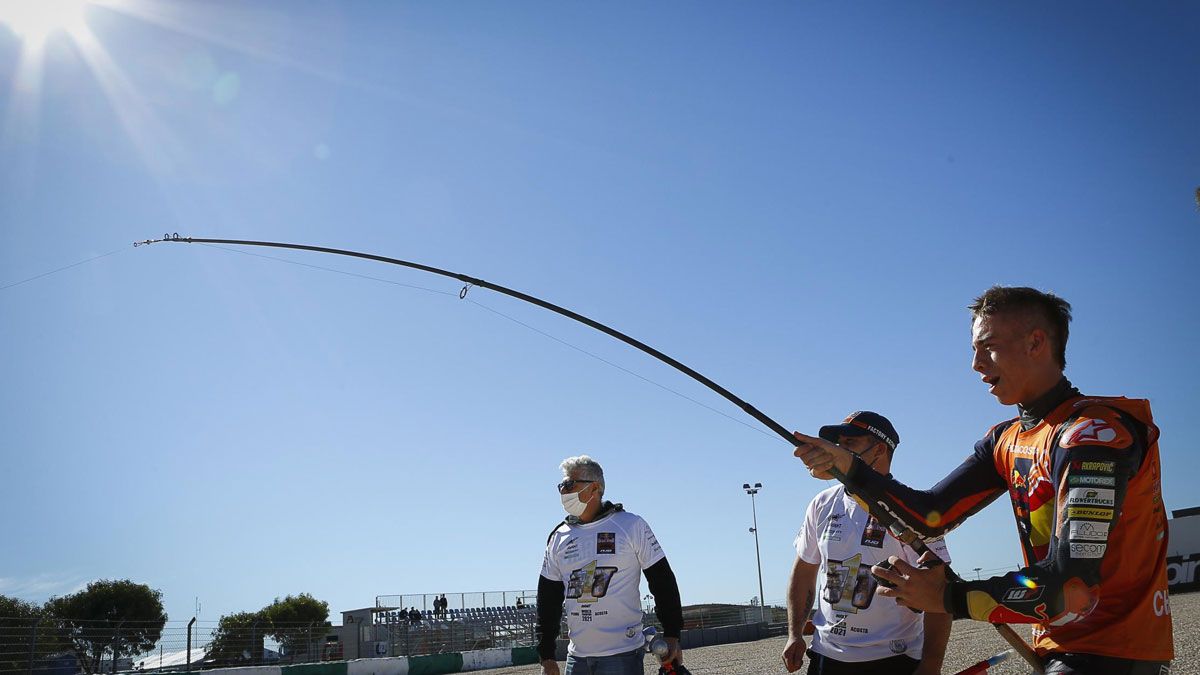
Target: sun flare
{"points": [[37, 19]]}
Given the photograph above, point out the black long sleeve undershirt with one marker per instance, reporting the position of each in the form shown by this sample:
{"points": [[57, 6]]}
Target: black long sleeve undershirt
{"points": [[667, 605], [550, 595]]}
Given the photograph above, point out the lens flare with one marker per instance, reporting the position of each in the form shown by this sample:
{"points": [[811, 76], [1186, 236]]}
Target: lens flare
{"points": [[35, 20]]}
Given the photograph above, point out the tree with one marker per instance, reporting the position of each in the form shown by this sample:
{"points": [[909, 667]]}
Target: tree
{"points": [[295, 621], [292, 622], [18, 620], [120, 618], [237, 639]]}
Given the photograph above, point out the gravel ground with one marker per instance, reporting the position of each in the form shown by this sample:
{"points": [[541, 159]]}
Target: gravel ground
{"points": [[969, 642]]}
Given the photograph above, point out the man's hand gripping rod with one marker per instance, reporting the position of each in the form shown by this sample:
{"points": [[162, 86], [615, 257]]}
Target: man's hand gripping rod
{"points": [[905, 534]]}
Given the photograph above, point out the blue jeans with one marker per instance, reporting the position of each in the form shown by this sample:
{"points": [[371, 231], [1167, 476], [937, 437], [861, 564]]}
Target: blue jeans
{"points": [[629, 663]]}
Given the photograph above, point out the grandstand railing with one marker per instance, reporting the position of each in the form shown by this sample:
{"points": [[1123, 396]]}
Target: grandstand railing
{"points": [[470, 600], [401, 633]]}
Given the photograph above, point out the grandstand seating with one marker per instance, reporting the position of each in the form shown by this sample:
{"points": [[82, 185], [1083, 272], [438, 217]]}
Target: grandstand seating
{"points": [[456, 630]]}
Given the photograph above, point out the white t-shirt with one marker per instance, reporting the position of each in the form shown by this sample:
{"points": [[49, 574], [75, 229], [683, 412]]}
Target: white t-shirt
{"points": [[600, 563], [853, 622]]}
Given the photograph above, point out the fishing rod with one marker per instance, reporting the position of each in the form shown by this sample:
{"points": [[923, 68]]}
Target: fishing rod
{"points": [[899, 530], [986, 664]]}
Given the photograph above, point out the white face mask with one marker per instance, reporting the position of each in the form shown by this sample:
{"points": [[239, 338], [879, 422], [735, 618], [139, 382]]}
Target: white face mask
{"points": [[573, 504]]}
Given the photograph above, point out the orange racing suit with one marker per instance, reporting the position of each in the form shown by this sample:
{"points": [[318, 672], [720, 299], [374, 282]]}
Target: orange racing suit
{"points": [[1084, 480]]}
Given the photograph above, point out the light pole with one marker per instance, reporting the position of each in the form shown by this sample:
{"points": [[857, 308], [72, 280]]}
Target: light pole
{"points": [[762, 603]]}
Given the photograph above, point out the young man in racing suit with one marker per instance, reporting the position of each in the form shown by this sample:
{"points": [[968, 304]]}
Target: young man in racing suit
{"points": [[1083, 477]]}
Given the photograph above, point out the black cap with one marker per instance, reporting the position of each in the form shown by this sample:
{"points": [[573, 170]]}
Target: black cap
{"points": [[863, 423]]}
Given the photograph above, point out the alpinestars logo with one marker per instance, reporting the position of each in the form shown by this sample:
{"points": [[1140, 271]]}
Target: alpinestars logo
{"points": [[1094, 432]]}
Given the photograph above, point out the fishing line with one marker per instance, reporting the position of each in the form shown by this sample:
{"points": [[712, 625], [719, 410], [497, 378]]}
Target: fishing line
{"points": [[330, 269], [622, 369], [506, 316], [61, 269]]}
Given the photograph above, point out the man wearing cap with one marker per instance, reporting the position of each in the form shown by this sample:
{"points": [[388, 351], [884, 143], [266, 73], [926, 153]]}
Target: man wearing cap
{"points": [[856, 629]]}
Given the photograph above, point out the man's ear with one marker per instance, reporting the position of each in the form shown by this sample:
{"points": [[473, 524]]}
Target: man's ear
{"points": [[882, 449], [1037, 342]]}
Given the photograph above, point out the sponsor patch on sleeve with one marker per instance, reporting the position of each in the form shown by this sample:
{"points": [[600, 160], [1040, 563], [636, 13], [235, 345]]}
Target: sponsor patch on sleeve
{"points": [[1089, 512], [1102, 428], [1091, 497], [1102, 481], [1087, 550], [1094, 467], [1087, 530]]}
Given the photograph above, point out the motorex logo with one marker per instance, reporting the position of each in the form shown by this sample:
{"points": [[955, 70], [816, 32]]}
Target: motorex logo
{"points": [[1102, 481]]}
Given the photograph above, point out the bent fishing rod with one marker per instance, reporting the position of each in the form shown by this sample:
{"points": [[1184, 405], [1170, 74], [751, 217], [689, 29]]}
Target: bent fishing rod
{"points": [[899, 529]]}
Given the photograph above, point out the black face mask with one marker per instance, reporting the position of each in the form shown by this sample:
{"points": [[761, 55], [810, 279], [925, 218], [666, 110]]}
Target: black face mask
{"points": [[876, 447]]}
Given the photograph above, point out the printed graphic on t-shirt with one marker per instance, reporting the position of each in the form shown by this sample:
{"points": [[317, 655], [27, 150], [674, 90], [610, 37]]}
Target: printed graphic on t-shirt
{"points": [[873, 533], [571, 550], [589, 583], [606, 543], [833, 531], [849, 585]]}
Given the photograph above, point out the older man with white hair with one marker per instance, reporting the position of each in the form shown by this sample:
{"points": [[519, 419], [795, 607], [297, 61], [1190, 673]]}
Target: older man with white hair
{"points": [[594, 560]]}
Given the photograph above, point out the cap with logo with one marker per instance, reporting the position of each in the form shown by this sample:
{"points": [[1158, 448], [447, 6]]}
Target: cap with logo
{"points": [[863, 423]]}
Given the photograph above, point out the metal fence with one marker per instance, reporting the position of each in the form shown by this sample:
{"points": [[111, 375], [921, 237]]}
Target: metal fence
{"points": [[472, 600], [62, 647], [409, 633]]}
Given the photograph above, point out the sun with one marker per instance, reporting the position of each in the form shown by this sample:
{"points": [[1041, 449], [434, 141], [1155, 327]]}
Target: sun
{"points": [[34, 20]]}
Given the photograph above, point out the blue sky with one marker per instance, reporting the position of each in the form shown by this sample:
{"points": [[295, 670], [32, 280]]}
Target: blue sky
{"points": [[796, 199]]}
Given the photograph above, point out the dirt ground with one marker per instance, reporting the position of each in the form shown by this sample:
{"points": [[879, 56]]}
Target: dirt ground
{"points": [[970, 642]]}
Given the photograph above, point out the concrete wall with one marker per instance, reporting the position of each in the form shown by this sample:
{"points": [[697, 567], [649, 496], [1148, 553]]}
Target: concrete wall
{"points": [[434, 664], [704, 637]]}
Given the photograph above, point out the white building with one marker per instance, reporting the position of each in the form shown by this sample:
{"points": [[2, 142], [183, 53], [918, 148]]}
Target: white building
{"points": [[1183, 550]]}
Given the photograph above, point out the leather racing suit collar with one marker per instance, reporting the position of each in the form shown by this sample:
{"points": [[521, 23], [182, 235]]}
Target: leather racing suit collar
{"points": [[1033, 414]]}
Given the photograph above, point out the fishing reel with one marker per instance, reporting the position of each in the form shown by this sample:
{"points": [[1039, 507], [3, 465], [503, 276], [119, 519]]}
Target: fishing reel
{"points": [[660, 649]]}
